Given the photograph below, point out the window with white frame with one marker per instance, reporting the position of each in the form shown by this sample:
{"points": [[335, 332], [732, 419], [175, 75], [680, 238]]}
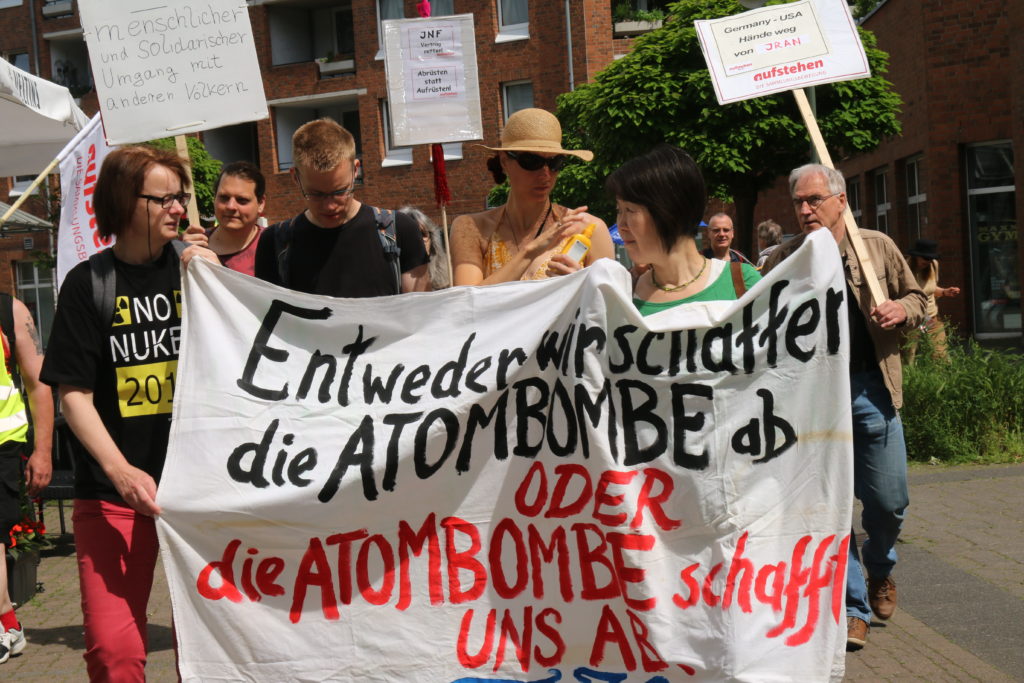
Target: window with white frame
{"points": [[35, 289], [513, 20], [387, 9], [288, 118], [917, 200], [516, 95], [853, 197], [991, 212], [393, 155], [882, 204]]}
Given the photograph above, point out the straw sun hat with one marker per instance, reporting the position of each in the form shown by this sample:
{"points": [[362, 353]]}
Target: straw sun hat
{"points": [[535, 130]]}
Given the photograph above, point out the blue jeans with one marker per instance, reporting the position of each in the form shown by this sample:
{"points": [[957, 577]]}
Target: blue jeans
{"points": [[879, 482]]}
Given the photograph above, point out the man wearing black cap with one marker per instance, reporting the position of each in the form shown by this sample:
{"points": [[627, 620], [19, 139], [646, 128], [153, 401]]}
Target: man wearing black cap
{"points": [[924, 262]]}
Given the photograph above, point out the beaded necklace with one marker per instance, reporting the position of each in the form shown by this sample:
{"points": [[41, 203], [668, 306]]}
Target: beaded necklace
{"points": [[678, 287]]}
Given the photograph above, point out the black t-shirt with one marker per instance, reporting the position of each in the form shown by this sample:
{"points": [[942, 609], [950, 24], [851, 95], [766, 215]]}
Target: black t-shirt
{"points": [[345, 261], [130, 366]]}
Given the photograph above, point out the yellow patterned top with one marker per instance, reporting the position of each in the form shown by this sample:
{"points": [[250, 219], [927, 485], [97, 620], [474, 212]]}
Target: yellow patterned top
{"points": [[499, 252]]}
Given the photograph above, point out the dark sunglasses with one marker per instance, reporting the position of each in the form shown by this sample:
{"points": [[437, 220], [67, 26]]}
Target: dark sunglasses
{"points": [[528, 161]]}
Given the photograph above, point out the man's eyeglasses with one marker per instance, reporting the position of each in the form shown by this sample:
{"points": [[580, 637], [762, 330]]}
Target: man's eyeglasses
{"points": [[336, 196], [528, 161], [167, 201], [814, 202]]}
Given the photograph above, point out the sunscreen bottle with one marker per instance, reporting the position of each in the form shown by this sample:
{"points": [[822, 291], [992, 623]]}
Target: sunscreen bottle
{"points": [[579, 245]]}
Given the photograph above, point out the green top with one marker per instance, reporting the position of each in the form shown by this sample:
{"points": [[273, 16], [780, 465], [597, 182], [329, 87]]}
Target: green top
{"points": [[721, 289]]}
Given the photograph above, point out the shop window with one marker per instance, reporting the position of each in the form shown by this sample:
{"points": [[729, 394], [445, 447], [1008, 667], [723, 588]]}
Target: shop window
{"points": [[992, 218]]}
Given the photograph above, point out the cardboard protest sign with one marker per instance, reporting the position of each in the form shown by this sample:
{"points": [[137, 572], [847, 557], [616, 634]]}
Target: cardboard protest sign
{"points": [[178, 67], [433, 87], [521, 482], [782, 47]]}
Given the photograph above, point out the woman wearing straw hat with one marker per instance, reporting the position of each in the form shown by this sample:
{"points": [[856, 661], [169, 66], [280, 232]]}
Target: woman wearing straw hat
{"points": [[523, 239], [924, 262]]}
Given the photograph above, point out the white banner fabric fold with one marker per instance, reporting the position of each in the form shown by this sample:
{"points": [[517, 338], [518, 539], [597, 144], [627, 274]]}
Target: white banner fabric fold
{"points": [[522, 482], [80, 161]]}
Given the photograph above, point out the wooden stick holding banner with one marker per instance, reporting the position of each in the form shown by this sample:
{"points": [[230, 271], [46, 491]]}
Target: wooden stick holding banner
{"points": [[193, 209], [28, 192], [866, 265]]}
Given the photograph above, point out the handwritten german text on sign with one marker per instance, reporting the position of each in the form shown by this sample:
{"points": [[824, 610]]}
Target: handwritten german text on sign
{"points": [[538, 481], [433, 91], [782, 47], [171, 68]]}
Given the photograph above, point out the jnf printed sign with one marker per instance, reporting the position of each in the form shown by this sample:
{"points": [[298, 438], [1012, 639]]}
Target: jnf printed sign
{"points": [[173, 67], [433, 92], [537, 485], [782, 47]]}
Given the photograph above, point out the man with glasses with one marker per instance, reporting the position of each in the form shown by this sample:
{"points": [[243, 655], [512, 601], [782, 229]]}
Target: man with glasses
{"points": [[339, 246], [719, 234], [876, 381]]}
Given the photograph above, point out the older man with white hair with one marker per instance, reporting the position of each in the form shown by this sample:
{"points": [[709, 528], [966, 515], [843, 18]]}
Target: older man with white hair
{"points": [[876, 381]]}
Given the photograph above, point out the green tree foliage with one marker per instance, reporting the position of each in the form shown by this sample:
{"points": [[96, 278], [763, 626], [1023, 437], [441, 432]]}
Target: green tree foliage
{"points": [[661, 91], [205, 170]]}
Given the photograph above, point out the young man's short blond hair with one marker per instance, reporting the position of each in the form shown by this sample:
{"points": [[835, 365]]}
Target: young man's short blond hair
{"points": [[322, 145]]}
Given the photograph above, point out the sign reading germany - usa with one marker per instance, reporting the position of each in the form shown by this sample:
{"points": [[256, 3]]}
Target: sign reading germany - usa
{"points": [[537, 484]]}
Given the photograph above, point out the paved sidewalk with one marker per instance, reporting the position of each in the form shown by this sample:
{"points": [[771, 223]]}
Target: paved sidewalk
{"points": [[960, 580]]}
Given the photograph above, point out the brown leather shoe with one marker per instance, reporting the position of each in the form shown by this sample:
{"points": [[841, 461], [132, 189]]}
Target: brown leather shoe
{"points": [[856, 633], [882, 597]]}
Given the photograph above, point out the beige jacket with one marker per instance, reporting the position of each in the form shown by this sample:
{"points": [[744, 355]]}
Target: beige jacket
{"points": [[898, 283]]}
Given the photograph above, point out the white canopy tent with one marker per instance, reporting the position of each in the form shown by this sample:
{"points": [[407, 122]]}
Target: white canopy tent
{"points": [[38, 119]]}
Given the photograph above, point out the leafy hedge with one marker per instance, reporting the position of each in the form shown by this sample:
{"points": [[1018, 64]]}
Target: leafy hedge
{"points": [[966, 407]]}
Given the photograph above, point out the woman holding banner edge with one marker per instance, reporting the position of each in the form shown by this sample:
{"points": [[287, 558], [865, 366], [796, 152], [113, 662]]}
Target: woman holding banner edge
{"points": [[523, 239], [116, 381], [660, 198]]}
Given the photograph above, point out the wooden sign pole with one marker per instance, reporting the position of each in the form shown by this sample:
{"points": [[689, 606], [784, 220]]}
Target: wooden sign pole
{"points": [[866, 266], [193, 208]]}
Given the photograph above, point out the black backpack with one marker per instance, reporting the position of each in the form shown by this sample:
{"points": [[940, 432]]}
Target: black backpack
{"points": [[385, 219]]}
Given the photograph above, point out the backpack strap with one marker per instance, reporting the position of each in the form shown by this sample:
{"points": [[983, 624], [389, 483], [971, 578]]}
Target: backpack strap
{"points": [[283, 232], [104, 285], [101, 270], [389, 242], [737, 278]]}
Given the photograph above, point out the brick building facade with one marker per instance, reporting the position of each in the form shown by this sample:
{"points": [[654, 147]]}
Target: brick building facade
{"points": [[951, 175], [324, 58]]}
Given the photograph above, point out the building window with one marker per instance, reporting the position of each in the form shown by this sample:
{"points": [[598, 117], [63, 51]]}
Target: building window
{"points": [[18, 59], [238, 142], [993, 225], [513, 20], [287, 120], [882, 205], [442, 8], [387, 9], [516, 95], [853, 197], [292, 39], [35, 289], [917, 200], [393, 156], [69, 64], [344, 35]]}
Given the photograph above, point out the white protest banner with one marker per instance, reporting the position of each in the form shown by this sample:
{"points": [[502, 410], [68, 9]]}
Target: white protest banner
{"points": [[782, 47], [433, 87], [78, 238], [522, 482], [177, 67]]}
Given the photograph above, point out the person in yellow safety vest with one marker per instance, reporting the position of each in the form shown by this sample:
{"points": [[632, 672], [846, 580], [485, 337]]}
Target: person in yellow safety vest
{"points": [[26, 353]]}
